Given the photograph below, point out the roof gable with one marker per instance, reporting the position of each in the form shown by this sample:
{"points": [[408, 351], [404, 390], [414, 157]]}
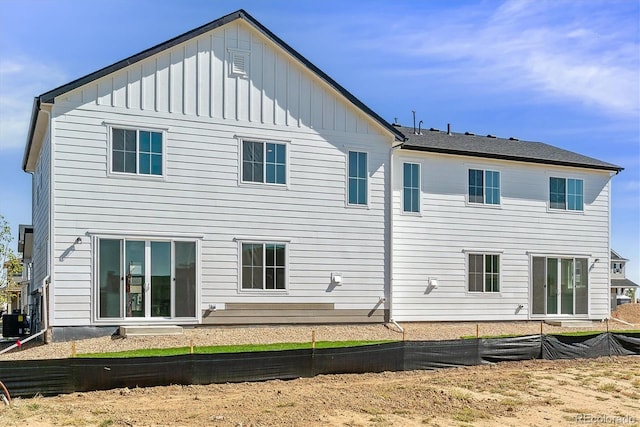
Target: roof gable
{"points": [[105, 74], [49, 97]]}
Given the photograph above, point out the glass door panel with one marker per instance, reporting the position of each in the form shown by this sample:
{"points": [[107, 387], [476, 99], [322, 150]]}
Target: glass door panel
{"points": [[566, 286], [582, 286], [160, 279], [135, 281], [185, 275], [552, 286], [110, 278], [539, 285]]}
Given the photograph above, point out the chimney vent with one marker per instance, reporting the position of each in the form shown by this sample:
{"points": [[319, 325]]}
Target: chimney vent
{"points": [[448, 128]]}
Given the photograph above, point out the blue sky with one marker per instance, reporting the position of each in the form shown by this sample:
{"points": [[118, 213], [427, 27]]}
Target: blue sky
{"points": [[562, 72]]}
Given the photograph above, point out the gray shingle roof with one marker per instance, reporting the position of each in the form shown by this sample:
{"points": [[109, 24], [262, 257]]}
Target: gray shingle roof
{"points": [[499, 148], [623, 283], [615, 256]]}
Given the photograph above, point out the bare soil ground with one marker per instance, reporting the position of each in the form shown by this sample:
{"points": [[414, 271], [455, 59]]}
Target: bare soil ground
{"points": [[597, 392], [532, 393]]}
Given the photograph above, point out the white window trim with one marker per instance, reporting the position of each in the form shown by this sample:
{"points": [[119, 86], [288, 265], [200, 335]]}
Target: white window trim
{"points": [[346, 174], [590, 262], [261, 139], [96, 236], [484, 169], [263, 241], [137, 175], [402, 211], [566, 210], [483, 252]]}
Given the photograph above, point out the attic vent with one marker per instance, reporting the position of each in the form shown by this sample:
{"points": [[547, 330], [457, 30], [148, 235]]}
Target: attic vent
{"points": [[434, 130], [238, 63], [513, 139], [491, 136], [469, 133]]}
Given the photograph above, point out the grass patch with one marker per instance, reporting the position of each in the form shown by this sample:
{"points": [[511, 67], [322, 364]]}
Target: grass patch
{"points": [[609, 387], [217, 349], [468, 415]]}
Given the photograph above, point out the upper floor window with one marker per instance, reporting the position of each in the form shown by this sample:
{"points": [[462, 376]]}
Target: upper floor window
{"points": [[358, 178], [566, 193], [617, 267], [411, 187], [484, 272], [484, 187], [263, 266], [136, 152], [264, 162]]}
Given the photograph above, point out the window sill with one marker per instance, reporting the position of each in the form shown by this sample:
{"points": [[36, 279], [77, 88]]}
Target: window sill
{"points": [[251, 184], [272, 292], [565, 211], [119, 175], [483, 205]]}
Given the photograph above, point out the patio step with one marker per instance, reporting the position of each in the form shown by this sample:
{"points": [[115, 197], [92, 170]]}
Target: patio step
{"points": [[149, 330], [570, 323]]}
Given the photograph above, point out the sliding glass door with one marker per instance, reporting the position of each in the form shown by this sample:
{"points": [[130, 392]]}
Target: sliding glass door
{"points": [[146, 279], [559, 286]]}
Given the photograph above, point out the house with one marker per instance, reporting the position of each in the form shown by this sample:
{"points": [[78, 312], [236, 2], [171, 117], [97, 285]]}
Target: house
{"points": [[621, 287], [221, 178]]}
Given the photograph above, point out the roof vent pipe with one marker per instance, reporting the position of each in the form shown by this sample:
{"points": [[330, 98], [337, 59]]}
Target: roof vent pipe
{"points": [[414, 120], [419, 128], [448, 128]]}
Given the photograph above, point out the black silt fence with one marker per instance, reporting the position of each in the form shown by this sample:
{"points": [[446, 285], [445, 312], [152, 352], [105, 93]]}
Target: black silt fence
{"points": [[58, 376]]}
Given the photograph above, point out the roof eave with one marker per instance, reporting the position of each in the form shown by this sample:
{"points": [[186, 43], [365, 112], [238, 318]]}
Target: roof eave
{"points": [[611, 168], [32, 127], [49, 97]]}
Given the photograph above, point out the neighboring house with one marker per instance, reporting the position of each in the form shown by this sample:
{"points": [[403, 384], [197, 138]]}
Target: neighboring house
{"points": [[620, 286], [221, 178]]}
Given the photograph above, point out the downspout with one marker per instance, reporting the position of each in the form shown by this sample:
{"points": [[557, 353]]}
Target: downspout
{"points": [[45, 315], [390, 249]]}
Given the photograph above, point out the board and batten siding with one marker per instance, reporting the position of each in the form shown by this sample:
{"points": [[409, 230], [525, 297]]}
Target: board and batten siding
{"points": [[189, 92], [434, 243]]}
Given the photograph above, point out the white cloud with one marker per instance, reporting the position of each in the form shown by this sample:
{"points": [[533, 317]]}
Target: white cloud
{"points": [[570, 51], [21, 79]]}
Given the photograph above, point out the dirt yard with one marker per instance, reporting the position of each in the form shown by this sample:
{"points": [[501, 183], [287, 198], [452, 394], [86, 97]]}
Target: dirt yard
{"points": [[532, 393], [595, 392]]}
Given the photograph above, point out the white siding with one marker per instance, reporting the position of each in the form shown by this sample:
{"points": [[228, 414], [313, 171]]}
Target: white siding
{"points": [[40, 214], [431, 245], [189, 91]]}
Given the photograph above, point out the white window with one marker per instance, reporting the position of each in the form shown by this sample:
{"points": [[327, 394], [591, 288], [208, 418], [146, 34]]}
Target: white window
{"points": [[484, 272], [411, 187], [358, 178], [566, 194], [264, 266], [484, 186], [264, 162], [137, 151]]}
